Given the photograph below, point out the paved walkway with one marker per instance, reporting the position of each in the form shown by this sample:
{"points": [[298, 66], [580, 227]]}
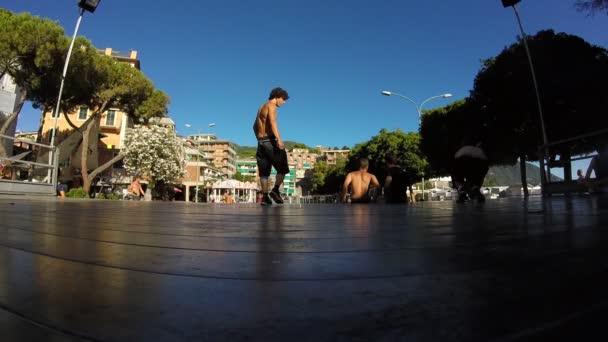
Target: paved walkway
{"points": [[100, 270]]}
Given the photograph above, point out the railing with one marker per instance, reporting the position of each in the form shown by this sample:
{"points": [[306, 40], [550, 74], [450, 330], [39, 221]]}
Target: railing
{"points": [[567, 185], [23, 173]]}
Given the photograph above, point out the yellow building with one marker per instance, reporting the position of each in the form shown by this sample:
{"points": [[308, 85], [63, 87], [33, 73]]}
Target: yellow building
{"points": [[111, 131]]}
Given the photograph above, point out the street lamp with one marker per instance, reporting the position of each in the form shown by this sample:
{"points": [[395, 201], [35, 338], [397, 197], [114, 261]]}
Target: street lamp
{"points": [[198, 168], [513, 3], [85, 5], [419, 110]]}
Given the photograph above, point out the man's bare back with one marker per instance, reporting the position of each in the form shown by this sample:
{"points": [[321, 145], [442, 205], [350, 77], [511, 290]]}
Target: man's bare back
{"points": [[265, 124], [359, 182]]}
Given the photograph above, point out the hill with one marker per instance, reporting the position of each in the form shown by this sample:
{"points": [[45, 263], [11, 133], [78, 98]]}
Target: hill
{"points": [[245, 152], [509, 175]]}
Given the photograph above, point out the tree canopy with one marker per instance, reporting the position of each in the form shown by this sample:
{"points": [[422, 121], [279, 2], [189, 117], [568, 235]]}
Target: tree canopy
{"points": [[592, 6], [404, 146], [571, 74], [29, 52], [443, 130], [154, 152], [33, 52]]}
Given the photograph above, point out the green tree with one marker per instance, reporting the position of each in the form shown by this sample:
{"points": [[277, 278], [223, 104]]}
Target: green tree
{"points": [[318, 176], [592, 6], [335, 176], [243, 178], [118, 85], [314, 150], [30, 50], [571, 74], [404, 146], [443, 130]]}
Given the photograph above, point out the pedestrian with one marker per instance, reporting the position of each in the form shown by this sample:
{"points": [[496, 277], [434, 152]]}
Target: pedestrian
{"points": [[396, 182], [359, 182], [271, 149], [469, 170]]}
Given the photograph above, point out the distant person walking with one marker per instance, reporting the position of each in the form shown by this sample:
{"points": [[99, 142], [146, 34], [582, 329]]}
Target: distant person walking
{"points": [[470, 168], [271, 150], [396, 182], [359, 181]]}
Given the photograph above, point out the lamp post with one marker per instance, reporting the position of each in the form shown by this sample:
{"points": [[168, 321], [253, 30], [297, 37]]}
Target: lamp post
{"points": [[198, 168], [419, 110], [513, 3], [85, 5]]}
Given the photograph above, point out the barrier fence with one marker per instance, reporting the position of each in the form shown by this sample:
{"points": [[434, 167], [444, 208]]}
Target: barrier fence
{"points": [[25, 167]]}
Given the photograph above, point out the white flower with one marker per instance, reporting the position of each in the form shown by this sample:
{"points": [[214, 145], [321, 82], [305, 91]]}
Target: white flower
{"points": [[154, 152]]}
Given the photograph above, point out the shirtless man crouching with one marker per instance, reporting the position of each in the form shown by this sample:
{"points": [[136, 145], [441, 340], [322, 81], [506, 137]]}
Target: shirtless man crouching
{"points": [[359, 182]]}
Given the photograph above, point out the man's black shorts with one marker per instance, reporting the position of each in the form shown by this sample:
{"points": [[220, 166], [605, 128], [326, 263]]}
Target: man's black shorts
{"points": [[268, 155]]}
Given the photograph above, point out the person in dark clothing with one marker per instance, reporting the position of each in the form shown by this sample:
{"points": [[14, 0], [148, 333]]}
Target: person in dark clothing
{"points": [[396, 182], [468, 172], [271, 149]]}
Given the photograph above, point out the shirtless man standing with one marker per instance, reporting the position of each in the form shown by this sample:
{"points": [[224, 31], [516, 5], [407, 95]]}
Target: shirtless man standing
{"points": [[271, 150], [359, 181]]}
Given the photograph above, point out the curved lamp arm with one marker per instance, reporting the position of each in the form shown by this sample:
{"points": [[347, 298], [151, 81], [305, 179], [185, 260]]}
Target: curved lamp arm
{"points": [[418, 108]]}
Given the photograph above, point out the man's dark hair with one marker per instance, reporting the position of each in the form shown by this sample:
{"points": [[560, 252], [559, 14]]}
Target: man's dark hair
{"points": [[363, 163], [391, 159], [278, 93]]}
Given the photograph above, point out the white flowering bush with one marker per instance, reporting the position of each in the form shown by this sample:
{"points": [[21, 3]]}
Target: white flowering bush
{"points": [[154, 152]]}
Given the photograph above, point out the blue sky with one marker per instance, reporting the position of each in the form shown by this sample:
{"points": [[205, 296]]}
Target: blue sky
{"points": [[218, 60]]}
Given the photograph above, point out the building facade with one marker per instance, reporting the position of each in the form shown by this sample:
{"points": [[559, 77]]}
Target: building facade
{"points": [[112, 129], [248, 168], [222, 152], [331, 156], [10, 95]]}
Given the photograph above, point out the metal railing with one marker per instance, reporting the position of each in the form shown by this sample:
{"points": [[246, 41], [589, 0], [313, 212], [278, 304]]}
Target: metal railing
{"points": [[568, 184], [23, 173]]}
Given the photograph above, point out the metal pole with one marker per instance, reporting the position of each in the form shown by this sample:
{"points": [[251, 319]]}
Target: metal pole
{"points": [[65, 70], [419, 110], [538, 102], [419, 124], [198, 167]]}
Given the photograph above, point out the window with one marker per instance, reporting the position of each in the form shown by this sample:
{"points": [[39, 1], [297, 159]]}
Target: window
{"points": [[82, 115], [110, 116]]}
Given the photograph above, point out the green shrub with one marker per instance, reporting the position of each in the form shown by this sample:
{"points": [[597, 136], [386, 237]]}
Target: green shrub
{"points": [[77, 193], [110, 196], [113, 196]]}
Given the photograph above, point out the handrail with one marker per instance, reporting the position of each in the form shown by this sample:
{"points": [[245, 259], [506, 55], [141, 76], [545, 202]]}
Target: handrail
{"points": [[15, 160], [578, 137], [25, 141]]}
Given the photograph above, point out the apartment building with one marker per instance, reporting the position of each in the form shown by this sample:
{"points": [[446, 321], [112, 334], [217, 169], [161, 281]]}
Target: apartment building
{"points": [[248, 168], [301, 157], [331, 155], [199, 171], [222, 152]]}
